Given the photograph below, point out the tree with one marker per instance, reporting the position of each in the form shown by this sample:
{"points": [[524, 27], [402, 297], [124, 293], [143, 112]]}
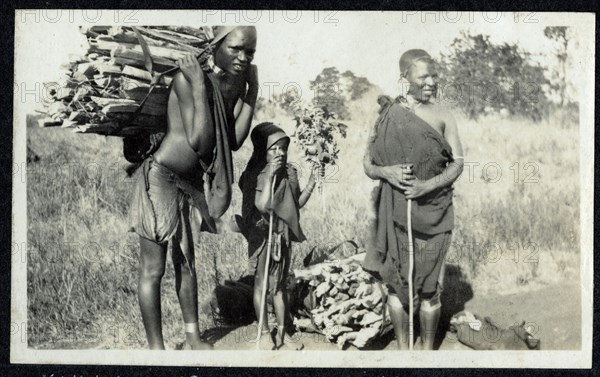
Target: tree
{"points": [[482, 77], [328, 92], [558, 34], [286, 99], [357, 85]]}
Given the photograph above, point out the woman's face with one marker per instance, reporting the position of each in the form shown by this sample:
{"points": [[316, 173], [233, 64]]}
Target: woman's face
{"points": [[423, 80], [278, 150], [236, 52]]}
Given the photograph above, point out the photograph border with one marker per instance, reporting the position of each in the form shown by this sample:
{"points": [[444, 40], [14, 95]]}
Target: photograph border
{"points": [[378, 359]]}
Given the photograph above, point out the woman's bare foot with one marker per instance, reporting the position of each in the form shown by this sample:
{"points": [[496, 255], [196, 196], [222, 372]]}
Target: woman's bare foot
{"points": [[193, 341], [197, 346]]}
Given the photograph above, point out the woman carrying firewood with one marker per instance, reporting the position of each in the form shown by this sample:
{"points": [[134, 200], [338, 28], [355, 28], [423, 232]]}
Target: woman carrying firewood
{"points": [[271, 221], [209, 115]]}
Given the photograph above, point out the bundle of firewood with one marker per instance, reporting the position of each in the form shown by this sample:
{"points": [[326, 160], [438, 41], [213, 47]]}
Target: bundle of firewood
{"points": [[99, 92], [347, 303]]}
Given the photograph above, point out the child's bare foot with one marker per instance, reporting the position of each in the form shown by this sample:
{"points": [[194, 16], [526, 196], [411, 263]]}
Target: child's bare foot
{"points": [[266, 342], [287, 343], [290, 346]]}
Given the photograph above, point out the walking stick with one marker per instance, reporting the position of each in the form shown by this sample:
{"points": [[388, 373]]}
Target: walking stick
{"points": [[321, 188], [411, 265], [263, 301]]}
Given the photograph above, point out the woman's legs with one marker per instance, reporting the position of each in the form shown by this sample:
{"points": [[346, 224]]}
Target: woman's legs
{"points": [[399, 319], [186, 283], [151, 271], [187, 292]]}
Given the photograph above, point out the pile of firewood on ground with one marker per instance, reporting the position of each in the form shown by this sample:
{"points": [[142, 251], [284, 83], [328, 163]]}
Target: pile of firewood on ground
{"points": [[99, 92], [344, 303]]}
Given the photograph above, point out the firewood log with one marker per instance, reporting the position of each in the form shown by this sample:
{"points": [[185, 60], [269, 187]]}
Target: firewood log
{"points": [[333, 291], [108, 69], [323, 288], [328, 301], [57, 107], [334, 331], [112, 101], [341, 296], [340, 307], [363, 289], [103, 128], [134, 54], [67, 123], [48, 122], [143, 75], [305, 325], [174, 40], [364, 336], [370, 318], [87, 70]]}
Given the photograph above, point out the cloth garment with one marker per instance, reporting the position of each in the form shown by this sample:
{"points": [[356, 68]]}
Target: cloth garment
{"points": [[286, 226], [287, 189], [254, 225], [166, 205], [219, 173], [402, 137], [430, 252], [218, 176]]}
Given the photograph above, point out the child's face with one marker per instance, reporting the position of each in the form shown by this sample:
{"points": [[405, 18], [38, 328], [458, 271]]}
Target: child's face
{"points": [[278, 150]]}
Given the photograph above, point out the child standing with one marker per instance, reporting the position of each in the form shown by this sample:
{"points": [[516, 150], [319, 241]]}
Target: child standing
{"points": [[270, 187]]}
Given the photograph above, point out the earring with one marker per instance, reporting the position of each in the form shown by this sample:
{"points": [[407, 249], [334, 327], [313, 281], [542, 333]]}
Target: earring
{"points": [[403, 86], [210, 62]]}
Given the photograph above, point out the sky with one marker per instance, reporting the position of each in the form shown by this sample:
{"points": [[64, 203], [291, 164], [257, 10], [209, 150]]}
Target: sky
{"points": [[294, 46]]}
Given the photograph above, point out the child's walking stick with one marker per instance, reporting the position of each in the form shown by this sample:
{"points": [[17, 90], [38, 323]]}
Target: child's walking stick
{"points": [[263, 301], [411, 265]]}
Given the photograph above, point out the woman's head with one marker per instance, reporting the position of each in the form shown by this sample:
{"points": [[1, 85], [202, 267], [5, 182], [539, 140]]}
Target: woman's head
{"points": [[418, 70], [234, 48], [269, 141]]}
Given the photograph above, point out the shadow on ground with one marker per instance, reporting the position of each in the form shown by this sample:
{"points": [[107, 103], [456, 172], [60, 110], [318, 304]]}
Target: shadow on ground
{"points": [[457, 292]]}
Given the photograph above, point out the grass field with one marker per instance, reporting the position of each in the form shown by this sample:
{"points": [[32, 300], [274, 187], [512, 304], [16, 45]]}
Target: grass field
{"points": [[516, 205]]}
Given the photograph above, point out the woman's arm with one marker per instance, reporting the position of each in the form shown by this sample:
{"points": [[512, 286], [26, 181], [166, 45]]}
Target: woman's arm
{"points": [[245, 108], [190, 90], [451, 173], [399, 176]]}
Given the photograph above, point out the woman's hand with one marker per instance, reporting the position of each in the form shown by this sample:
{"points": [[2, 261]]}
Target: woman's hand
{"points": [[252, 77], [400, 175], [190, 67], [417, 189]]}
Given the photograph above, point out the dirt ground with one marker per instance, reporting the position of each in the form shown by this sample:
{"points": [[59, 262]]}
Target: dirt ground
{"points": [[554, 311]]}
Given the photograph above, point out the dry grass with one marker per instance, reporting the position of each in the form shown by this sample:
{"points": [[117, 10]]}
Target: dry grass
{"points": [[82, 261]]}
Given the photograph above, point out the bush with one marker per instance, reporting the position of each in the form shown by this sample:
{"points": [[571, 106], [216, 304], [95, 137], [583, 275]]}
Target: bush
{"points": [[481, 77]]}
